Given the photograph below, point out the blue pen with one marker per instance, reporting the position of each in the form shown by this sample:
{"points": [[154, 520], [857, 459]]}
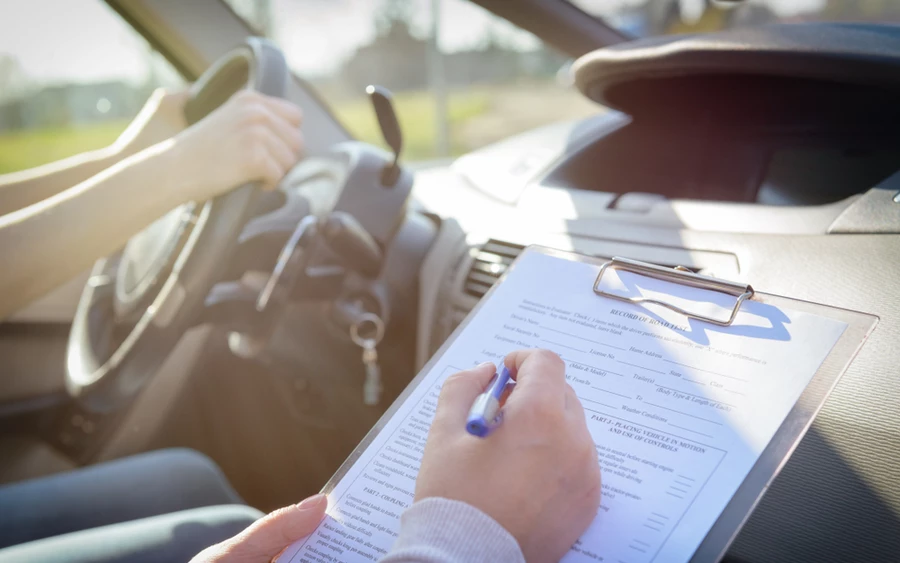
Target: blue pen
{"points": [[485, 414]]}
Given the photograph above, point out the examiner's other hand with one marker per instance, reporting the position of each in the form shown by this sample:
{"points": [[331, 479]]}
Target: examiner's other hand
{"points": [[537, 474], [251, 137], [266, 538]]}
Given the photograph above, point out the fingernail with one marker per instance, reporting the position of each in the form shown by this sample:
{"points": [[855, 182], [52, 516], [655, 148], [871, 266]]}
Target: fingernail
{"points": [[484, 364], [311, 502]]}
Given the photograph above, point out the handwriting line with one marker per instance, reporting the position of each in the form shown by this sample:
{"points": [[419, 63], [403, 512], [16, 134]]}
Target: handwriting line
{"points": [[580, 337], [564, 346], [598, 403], [611, 392], [642, 367], [706, 370], [684, 413]]}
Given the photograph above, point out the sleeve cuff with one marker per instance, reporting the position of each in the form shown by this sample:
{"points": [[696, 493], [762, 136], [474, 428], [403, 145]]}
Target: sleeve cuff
{"points": [[439, 530]]}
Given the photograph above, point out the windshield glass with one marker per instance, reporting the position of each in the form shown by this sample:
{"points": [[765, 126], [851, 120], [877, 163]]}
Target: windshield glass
{"points": [[462, 78], [67, 89], [642, 18]]}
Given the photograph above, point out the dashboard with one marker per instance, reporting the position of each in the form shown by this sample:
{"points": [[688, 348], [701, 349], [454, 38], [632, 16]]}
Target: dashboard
{"points": [[774, 164], [845, 253]]}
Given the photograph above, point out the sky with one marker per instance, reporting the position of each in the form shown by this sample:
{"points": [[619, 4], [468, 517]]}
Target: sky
{"points": [[42, 36]]}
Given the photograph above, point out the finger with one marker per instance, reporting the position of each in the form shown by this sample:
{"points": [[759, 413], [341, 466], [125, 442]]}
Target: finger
{"points": [[271, 172], [285, 109], [269, 535], [539, 374], [279, 151], [289, 133], [505, 395], [459, 392]]}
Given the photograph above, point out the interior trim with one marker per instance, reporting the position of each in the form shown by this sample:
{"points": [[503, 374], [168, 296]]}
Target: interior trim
{"points": [[449, 241]]}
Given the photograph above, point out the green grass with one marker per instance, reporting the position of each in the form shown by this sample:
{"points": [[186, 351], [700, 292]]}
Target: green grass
{"points": [[25, 149], [416, 112], [478, 115]]}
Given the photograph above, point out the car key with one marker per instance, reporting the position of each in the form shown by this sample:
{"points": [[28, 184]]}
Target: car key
{"points": [[372, 384]]}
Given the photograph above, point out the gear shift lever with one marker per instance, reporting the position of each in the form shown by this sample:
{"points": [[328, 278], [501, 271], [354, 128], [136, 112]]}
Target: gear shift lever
{"points": [[390, 130]]}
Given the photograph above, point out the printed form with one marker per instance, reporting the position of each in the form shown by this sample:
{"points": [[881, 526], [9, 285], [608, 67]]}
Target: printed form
{"points": [[679, 409]]}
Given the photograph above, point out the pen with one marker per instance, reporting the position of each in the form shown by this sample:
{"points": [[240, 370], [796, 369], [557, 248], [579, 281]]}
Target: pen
{"points": [[485, 414]]}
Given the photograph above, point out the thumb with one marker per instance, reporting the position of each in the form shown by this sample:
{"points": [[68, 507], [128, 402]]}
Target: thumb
{"points": [[459, 392], [268, 536]]}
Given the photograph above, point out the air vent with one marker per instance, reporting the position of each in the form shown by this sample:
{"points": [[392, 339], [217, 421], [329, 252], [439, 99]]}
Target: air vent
{"points": [[491, 261]]}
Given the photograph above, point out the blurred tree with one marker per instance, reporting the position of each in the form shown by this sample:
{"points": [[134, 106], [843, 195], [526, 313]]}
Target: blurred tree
{"points": [[14, 82], [394, 14]]}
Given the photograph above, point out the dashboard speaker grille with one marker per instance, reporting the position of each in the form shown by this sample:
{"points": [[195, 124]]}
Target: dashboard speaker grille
{"points": [[491, 261]]}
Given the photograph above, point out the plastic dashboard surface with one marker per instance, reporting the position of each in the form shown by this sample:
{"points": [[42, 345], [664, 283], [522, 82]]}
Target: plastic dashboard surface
{"points": [[837, 499]]}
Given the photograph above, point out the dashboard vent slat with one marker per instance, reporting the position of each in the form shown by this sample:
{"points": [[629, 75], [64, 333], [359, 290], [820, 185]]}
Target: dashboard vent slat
{"points": [[493, 259], [491, 262], [501, 248]]}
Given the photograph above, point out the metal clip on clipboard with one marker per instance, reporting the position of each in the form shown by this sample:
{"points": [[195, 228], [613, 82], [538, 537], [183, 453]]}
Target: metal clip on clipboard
{"points": [[680, 275]]}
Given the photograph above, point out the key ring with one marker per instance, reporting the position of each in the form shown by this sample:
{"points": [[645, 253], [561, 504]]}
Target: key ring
{"points": [[377, 324]]}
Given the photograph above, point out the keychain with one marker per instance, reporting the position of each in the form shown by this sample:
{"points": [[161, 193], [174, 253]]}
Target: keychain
{"points": [[372, 385]]}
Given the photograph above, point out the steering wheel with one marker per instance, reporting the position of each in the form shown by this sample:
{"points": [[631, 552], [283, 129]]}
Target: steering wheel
{"points": [[138, 302]]}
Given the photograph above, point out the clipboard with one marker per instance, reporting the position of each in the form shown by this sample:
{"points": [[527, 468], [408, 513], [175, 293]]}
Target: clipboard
{"points": [[782, 444]]}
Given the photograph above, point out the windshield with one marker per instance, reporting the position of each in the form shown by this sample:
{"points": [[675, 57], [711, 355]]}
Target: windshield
{"points": [[462, 78], [642, 18]]}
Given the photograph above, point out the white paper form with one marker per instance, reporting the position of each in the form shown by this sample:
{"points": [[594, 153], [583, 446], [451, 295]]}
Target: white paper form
{"points": [[679, 409]]}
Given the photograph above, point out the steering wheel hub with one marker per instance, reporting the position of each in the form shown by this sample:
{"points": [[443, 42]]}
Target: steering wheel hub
{"points": [[147, 259]]}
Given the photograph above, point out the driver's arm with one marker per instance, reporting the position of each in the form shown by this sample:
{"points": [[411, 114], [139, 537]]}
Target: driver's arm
{"points": [[251, 137], [161, 117]]}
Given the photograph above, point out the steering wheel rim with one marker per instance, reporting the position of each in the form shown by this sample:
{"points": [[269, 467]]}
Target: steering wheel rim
{"points": [[103, 379]]}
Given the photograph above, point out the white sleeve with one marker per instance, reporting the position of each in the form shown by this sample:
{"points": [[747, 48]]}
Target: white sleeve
{"points": [[439, 530]]}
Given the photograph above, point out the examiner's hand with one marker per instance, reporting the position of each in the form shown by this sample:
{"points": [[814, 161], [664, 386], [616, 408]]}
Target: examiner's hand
{"points": [[266, 538], [251, 137], [537, 475]]}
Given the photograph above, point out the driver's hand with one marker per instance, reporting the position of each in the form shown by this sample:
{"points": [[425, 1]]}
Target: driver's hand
{"points": [[266, 538], [251, 137], [537, 474], [161, 117]]}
